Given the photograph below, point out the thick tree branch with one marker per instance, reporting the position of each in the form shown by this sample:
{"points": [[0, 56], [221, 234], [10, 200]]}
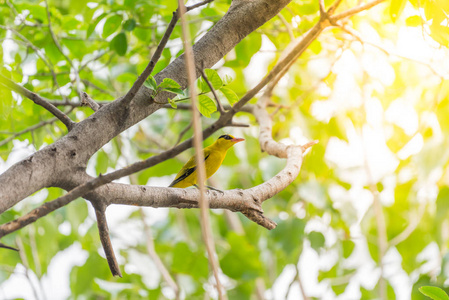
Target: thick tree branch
{"points": [[116, 193], [38, 100], [44, 168]]}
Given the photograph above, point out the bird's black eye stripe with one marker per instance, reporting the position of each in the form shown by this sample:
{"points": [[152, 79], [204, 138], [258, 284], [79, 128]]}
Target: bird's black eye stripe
{"points": [[226, 137]]}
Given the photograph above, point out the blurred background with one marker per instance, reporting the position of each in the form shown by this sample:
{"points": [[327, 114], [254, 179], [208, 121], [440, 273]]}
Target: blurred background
{"points": [[367, 218]]}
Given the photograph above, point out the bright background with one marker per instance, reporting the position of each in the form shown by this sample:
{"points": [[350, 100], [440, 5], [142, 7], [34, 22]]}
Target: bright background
{"points": [[366, 218]]}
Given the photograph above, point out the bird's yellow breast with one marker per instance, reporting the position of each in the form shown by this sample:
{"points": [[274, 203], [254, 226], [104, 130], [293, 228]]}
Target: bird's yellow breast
{"points": [[213, 158], [213, 162]]}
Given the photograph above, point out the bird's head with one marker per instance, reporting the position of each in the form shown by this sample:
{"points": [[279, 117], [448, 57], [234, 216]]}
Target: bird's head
{"points": [[226, 141]]}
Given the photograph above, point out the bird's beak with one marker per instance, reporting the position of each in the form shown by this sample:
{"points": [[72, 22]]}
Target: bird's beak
{"points": [[236, 140]]}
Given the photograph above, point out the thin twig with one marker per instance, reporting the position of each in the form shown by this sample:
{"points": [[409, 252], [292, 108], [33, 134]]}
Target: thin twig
{"points": [[323, 12], [75, 104], [88, 83], [34, 251], [88, 101], [333, 7], [181, 134], [189, 8], [199, 155], [103, 230], [38, 100], [34, 127], [354, 10], [100, 55], [260, 289], [382, 240], [301, 286], [39, 53], [25, 263], [403, 235], [157, 54], [287, 26], [219, 106], [149, 68], [359, 38], [156, 259], [8, 247], [58, 46]]}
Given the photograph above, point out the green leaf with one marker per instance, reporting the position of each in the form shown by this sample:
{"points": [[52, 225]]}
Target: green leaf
{"points": [[168, 83], [150, 83], [230, 95], [213, 78], [102, 162], [129, 25], [316, 240], [206, 105], [396, 8], [119, 44], [434, 292], [7, 102], [242, 260], [130, 4], [348, 247], [188, 262], [111, 25], [76, 213], [174, 90], [36, 11], [227, 79], [172, 102]]}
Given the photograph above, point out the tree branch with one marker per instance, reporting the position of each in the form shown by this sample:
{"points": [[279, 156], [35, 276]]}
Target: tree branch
{"points": [[354, 10], [34, 127], [219, 106], [103, 230], [199, 155], [55, 40], [37, 100], [149, 68], [39, 53], [156, 259], [157, 54], [88, 101]]}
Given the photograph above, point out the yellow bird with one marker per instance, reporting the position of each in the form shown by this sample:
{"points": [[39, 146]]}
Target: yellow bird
{"points": [[213, 158]]}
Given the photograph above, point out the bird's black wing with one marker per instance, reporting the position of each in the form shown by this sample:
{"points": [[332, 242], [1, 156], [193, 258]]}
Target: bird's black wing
{"points": [[183, 176], [186, 174]]}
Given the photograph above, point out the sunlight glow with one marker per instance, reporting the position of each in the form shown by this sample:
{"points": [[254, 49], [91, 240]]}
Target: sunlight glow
{"points": [[402, 113]]}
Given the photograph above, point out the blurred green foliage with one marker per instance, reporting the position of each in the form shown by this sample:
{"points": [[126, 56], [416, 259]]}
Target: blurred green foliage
{"points": [[328, 212]]}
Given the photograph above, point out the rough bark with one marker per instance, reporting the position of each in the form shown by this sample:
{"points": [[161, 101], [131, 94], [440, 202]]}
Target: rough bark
{"points": [[56, 164]]}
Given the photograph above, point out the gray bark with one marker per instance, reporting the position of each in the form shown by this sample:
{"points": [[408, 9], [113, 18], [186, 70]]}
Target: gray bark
{"points": [[63, 163]]}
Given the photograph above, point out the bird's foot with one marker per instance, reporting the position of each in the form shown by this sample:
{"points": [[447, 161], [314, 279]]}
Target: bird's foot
{"points": [[210, 188]]}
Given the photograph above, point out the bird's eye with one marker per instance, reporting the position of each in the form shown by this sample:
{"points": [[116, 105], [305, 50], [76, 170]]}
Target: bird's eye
{"points": [[226, 137]]}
